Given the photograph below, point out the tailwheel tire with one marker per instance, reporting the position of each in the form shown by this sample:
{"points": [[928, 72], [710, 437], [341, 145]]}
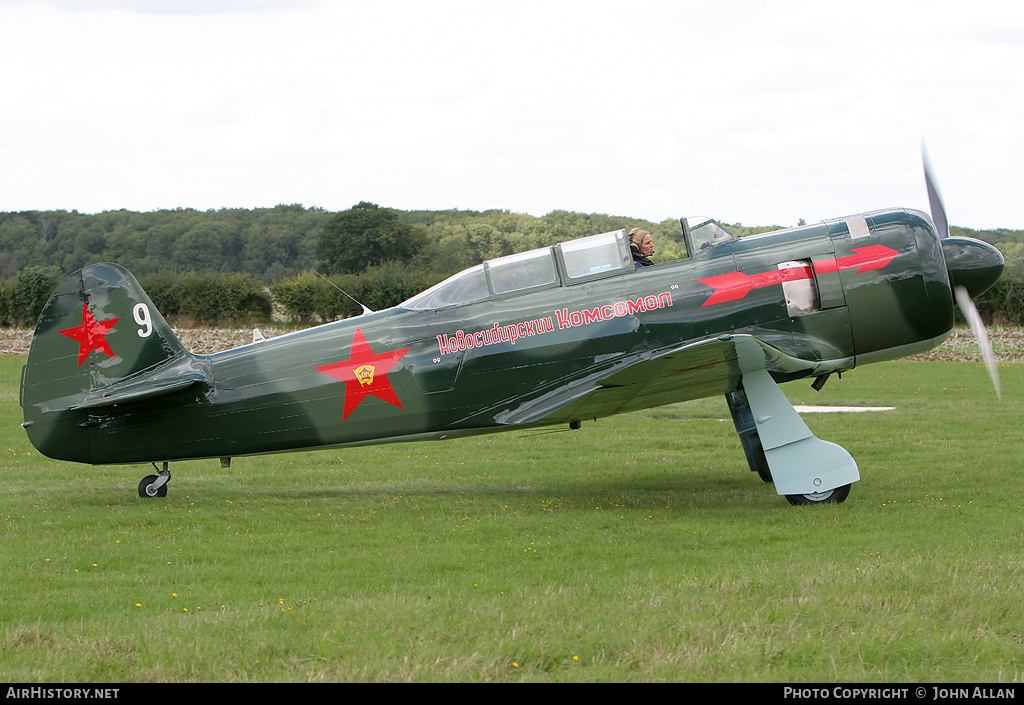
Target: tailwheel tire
{"points": [[836, 496], [144, 488]]}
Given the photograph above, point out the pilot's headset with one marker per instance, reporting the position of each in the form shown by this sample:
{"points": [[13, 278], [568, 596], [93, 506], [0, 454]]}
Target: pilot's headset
{"points": [[636, 241]]}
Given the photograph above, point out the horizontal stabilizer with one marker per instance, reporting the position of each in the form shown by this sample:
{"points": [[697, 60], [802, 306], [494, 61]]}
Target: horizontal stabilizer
{"points": [[142, 389]]}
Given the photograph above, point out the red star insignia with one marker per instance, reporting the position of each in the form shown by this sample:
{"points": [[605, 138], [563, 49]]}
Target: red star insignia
{"points": [[91, 335], [365, 373]]}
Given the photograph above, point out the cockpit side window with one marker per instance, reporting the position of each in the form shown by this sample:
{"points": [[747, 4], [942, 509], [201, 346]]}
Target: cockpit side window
{"points": [[596, 255], [462, 288], [525, 270], [705, 233]]}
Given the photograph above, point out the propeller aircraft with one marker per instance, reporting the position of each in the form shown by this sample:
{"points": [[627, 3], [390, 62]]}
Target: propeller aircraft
{"points": [[559, 335]]}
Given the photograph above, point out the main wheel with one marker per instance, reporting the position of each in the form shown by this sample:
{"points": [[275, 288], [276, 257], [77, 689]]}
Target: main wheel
{"points": [[761, 464], [144, 488], [836, 496]]}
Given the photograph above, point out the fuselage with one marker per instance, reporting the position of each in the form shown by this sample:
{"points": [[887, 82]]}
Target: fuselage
{"points": [[833, 295]]}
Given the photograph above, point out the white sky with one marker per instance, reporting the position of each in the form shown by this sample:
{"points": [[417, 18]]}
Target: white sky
{"points": [[749, 111]]}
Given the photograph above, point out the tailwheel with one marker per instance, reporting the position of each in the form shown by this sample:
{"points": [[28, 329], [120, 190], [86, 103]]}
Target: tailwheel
{"points": [[835, 496], [148, 482], [155, 485]]}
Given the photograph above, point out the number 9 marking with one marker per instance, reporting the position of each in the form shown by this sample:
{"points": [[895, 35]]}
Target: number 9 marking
{"points": [[141, 315]]}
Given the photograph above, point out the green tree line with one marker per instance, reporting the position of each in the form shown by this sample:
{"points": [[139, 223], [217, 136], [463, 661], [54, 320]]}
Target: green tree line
{"points": [[234, 265]]}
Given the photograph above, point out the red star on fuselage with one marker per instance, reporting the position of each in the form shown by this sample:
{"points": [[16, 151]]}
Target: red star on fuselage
{"points": [[365, 373], [91, 335]]}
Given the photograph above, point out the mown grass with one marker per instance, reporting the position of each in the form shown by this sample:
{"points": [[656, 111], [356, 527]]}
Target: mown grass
{"points": [[639, 548]]}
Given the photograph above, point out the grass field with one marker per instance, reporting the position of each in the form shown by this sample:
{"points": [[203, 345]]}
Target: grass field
{"points": [[639, 548]]}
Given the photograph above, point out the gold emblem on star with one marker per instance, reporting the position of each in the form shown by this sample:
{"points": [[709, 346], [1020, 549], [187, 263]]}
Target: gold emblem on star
{"points": [[364, 373]]}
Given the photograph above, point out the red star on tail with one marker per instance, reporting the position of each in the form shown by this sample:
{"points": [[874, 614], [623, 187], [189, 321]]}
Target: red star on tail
{"points": [[365, 373], [91, 335]]}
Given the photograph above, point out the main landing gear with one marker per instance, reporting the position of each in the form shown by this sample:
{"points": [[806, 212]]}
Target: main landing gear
{"points": [[782, 450], [155, 485], [759, 464]]}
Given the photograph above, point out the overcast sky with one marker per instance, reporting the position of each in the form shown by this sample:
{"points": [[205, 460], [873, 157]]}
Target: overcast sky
{"points": [[749, 111]]}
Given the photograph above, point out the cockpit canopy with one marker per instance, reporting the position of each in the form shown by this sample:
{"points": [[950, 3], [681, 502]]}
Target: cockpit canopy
{"points": [[566, 263], [570, 262]]}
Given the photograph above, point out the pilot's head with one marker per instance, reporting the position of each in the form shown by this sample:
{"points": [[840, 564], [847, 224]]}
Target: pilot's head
{"points": [[640, 242]]}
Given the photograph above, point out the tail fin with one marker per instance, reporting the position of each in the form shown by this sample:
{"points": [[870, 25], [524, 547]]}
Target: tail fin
{"points": [[99, 342]]}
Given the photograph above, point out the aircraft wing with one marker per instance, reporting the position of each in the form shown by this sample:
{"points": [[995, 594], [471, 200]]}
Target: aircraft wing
{"points": [[702, 369]]}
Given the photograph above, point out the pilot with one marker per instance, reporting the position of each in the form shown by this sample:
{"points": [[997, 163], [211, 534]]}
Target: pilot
{"points": [[641, 246]]}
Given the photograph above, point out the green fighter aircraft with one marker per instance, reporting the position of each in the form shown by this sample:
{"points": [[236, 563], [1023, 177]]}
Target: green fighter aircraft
{"points": [[558, 335]]}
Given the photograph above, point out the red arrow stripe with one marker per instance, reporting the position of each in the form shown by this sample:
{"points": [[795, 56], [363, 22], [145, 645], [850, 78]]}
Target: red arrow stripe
{"points": [[865, 259], [735, 285]]}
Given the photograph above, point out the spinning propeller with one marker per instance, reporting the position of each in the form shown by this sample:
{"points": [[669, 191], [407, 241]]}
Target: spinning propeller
{"points": [[973, 267]]}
